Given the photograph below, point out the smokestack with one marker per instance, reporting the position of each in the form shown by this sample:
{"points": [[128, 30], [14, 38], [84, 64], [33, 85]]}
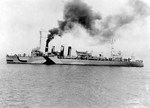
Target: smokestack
{"points": [[62, 51], [53, 49], [49, 38], [69, 51], [46, 47]]}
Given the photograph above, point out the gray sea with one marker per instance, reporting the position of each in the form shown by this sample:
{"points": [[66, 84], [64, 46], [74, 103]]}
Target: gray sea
{"points": [[62, 86]]}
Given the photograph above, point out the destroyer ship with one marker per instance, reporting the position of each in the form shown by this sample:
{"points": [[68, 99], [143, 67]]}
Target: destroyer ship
{"points": [[81, 58]]}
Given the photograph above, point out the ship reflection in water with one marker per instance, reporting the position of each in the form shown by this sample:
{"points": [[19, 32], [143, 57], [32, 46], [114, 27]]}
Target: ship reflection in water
{"points": [[63, 86]]}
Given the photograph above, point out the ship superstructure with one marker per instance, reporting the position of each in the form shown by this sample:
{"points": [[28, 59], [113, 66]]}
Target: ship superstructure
{"points": [[85, 58]]}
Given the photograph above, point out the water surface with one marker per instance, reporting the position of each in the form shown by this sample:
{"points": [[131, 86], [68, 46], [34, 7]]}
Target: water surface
{"points": [[62, 86]]}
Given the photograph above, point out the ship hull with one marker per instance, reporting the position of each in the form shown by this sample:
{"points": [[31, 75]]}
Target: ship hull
{"points": [[94, 62], [57, 61]]}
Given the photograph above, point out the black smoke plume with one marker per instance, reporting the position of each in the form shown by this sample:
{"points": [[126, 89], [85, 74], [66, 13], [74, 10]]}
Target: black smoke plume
{"points": [[78, 12], [53, 32], [140, 8], [75, 12], [111, 24]]}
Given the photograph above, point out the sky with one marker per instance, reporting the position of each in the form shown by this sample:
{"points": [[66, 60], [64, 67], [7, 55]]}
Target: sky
{"points": [[21, 21]]}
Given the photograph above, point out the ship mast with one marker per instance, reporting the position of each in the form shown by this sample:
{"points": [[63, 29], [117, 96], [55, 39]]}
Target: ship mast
{"points": [[112, 47], [40, 41], [40, 38]]}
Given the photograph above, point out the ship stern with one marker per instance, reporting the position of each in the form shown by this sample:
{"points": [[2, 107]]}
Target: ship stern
{"points": [[137, 63]]}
